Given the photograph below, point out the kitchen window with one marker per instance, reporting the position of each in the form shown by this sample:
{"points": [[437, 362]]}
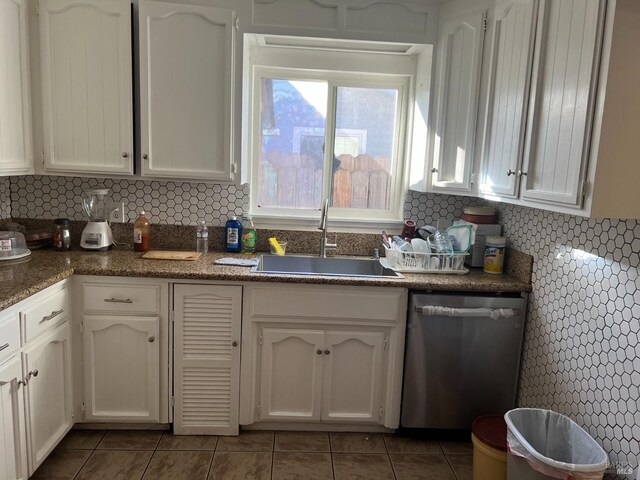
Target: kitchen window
{"points": [[331, 123]]}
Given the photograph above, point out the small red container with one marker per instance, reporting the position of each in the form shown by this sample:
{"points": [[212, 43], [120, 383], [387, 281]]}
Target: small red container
{"points": [[483, 215]]}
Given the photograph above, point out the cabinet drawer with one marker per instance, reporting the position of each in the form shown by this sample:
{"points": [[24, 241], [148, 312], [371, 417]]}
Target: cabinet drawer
{"points": [[45, 314], [9, 336], [121, 298]]}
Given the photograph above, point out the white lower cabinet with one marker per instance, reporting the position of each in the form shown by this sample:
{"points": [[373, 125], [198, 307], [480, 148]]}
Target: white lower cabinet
{"points": [[322, 355], [321, 375], [46, 367], [13, 446], [290, 374], [121, 375], [207, 321]]}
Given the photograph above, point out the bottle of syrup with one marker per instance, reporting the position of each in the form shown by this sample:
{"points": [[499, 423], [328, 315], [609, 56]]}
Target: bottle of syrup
{"points": [[141, 234]]}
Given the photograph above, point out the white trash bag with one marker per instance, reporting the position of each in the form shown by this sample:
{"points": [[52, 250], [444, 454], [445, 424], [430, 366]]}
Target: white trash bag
{"points": [[554, 445]]}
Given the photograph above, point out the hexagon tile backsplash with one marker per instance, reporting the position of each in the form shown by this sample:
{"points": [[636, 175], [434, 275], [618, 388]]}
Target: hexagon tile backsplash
{"points": [[581, 353]]}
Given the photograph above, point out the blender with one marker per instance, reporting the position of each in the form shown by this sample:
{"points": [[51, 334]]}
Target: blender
{"points": [[97, 234]]}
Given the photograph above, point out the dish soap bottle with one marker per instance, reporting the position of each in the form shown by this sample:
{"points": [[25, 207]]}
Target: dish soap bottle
{"points": [[249, 238], [233, 230], [141, 234]]}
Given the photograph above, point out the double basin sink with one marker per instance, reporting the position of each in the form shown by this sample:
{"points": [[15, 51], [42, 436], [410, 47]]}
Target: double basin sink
{"points": [[330, 266]]}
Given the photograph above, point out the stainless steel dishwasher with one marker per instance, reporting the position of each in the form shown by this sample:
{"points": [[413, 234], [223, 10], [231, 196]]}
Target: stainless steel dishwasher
{"points": [[462, 358]]}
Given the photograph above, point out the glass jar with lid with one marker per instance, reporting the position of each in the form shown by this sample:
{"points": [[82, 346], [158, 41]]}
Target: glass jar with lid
{"points": [[61, 234]]}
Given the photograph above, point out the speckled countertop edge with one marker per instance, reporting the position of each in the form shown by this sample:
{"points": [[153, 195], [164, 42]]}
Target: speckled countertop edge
{"points": [[48, 267]]}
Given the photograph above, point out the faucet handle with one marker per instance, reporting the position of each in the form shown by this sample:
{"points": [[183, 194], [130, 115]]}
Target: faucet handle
{"points": [[335, 242]]}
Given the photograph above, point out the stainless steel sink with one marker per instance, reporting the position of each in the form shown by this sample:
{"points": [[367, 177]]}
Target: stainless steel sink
{"points": [[330, 266]]}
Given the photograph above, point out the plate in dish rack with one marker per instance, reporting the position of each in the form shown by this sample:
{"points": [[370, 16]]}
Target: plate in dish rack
{"points": [[384, 263]]}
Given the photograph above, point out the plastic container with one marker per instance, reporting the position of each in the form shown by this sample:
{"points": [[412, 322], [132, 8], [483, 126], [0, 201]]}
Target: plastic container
{"points": [[202, 237], [543, 444], [61, 234], [489, 438], [494, 254], [233, 233], [141, 234], [13, 246]]}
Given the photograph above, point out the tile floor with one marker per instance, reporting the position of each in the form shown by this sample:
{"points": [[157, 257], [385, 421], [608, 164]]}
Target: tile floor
{"points": [[124, 455]]}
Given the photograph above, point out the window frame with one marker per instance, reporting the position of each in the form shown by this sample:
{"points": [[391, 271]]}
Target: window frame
{"points": [[338, 69]]}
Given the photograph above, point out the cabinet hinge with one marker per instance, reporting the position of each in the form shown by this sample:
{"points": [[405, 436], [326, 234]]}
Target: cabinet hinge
{"points": [[42, 157], [385, 343], [173, 401], [234, 168], [258, 410], [173, 316], [473, 178], [381, 412], [38, 9], [81, 327], [586, 185], [260, 339], [484, 25], [82, 410], [236, 25]]}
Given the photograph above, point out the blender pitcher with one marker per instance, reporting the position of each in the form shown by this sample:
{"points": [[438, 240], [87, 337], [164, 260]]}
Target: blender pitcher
{"points": [[97, 234]]}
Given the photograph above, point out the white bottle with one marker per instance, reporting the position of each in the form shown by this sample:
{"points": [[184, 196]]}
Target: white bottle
{"points": [[202, 237]]}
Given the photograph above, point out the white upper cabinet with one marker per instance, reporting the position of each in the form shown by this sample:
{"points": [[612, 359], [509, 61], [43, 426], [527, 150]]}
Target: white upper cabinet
{"points": [[458, 69], [85, 48], [562, 98], [15, 106], [186, 97], [511, 55]]}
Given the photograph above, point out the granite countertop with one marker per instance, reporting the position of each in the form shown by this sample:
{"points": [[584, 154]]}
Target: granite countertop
{"points": [[46, 267]]}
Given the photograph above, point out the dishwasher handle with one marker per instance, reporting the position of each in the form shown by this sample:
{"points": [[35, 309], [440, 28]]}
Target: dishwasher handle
{"points": [[495, 313]]}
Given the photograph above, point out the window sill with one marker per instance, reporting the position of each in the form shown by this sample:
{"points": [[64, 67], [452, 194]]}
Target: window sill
{"points": [[346, 225]]}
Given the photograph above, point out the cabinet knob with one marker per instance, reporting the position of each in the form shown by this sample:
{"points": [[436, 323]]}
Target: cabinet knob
{"points": [[33, 373], [145, 156], [234, 344], [151, 339], [434, 170], [510, 172], [521, 173], [319, 352], [327, 352], [125, 155], [22, 382]]}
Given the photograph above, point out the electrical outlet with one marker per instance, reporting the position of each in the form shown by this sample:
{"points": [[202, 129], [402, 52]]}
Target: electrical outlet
{"points": [[118, 213]]}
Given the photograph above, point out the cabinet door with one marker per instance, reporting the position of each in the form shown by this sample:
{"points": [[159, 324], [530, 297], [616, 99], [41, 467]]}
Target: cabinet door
{"points": [[353, 373], [290, 374], [508, 97], [562, 95], [87, 85], [15, 107], [47, 367], [186, 78], [207, 359], [121, 368], [458, 65], [13, 452]]}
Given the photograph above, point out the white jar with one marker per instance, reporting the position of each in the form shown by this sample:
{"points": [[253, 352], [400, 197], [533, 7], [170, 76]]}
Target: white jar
{"points": [[494, 254]]}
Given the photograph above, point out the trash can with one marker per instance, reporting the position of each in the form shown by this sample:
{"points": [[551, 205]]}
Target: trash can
{"points": [[489, 438], [547, 445]]}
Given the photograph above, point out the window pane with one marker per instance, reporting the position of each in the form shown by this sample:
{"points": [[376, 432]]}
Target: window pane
{"points": [[364, 146], [292, 122]]}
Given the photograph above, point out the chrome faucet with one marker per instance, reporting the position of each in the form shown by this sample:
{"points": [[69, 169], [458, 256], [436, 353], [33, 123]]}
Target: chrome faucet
{"points": [[324, 218]]}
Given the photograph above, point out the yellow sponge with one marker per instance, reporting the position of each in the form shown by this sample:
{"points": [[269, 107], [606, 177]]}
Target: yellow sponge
{"points": [[276, 246]]}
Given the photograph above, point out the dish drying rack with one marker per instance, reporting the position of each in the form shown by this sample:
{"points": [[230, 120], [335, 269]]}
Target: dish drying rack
{"points": [[417, 262]]}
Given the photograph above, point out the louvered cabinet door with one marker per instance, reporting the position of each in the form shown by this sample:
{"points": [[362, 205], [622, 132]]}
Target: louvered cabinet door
{"points": [[206, 359], [121, 372]]}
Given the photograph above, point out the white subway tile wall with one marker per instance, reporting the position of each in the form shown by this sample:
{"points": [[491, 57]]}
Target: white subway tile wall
{"points": [[5, 197], [582, 343]]}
